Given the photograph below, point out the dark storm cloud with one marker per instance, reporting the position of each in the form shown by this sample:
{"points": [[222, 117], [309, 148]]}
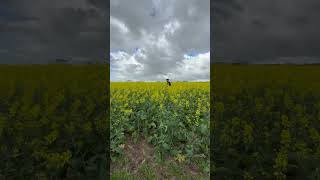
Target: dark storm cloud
{"points": [[268, 31], [39, 31]]}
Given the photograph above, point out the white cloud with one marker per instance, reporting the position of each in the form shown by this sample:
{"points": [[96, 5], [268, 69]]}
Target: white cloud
{"points": [[126, 66], [118, 24], [171, 27], [194, 68], [163, 31]]}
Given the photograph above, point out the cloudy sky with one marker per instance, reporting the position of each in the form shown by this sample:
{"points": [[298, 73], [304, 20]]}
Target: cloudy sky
{"points": [[153, 40], [266, 31], [39, 31]]}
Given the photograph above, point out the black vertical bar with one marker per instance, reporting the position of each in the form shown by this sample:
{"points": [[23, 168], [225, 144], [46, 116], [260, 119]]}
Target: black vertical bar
{"points": [[108, 87]]}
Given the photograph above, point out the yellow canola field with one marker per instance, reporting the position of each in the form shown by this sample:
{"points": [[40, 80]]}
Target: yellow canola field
{"points": [[174, 119]]}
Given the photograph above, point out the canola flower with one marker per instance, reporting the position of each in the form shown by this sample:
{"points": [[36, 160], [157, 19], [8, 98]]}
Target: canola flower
{"points": [[175, 119]]}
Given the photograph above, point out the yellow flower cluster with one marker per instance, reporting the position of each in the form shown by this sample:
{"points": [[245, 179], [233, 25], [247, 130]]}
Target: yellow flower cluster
{"points": [[190, 98], [165, 115]]}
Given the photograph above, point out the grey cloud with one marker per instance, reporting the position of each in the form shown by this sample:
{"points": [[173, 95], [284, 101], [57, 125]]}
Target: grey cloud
{"points": [[146, 22], [265, 31], [43, 30]]}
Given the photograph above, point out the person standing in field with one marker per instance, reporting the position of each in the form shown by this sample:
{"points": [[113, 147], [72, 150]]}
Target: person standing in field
{"points": [[168, 82]]}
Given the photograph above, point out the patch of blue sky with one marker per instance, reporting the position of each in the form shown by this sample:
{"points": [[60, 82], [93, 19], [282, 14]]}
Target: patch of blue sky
{"points": [[136, 50], [192, 54]]}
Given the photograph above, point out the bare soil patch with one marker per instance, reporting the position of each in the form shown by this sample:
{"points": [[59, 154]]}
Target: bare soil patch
{"points": [[142, 153]]}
